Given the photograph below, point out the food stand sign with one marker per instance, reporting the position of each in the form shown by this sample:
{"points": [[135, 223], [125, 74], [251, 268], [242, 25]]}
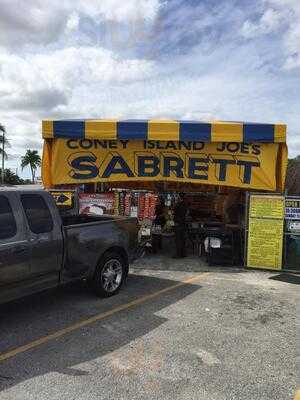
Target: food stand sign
{"points": [[292, 208], [62, 198], [292, 233], [233, 154], [265, 232], [97, 203]]}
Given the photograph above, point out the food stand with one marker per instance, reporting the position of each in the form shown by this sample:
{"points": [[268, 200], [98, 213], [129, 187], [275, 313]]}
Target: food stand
{"points": [[215, 163]]}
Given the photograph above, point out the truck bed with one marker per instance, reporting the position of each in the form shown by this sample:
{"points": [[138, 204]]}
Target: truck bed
{"points": [[88, 236], [85, 219]]}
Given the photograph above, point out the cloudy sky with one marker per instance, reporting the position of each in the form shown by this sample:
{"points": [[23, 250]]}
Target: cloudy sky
{"points": [[192, 59]]}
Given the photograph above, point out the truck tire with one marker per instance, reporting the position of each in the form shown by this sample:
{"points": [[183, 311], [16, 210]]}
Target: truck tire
{"points": [[110, 274]]}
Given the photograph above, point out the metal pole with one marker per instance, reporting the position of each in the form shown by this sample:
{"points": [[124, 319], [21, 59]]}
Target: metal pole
{"points": [[2, 170]]}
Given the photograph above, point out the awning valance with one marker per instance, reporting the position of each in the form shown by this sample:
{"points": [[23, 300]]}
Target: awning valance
{"points": [[164, 130]]}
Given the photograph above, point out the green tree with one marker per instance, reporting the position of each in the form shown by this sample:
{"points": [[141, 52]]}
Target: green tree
{"points": [[33, 160], [3, 143], [2, 136], [293, 176], [10, 178], [6, 143]]}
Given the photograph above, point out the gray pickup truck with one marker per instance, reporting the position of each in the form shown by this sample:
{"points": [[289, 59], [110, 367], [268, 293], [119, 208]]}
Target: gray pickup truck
{"points": [[40, 249]]}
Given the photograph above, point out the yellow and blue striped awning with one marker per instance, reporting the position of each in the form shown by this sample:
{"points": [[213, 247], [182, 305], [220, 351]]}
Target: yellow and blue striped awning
{"points": [[163, 130]]}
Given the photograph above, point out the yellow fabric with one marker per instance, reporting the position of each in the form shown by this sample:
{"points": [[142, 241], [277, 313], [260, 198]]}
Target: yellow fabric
{"points": [[280, 133], [46, 164], [107, 129], [76, 162], [221, 131], [163, 130], [282, 163], [47, 127]]}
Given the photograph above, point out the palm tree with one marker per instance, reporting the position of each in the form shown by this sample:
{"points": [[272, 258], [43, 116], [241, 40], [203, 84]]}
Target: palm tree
{"points": [[3, 132], [3, 143], [33, 160]]}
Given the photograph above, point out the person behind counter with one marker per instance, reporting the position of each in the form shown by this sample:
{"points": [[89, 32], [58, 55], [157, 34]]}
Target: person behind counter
{"points": [[159, 220], [180, 213]]}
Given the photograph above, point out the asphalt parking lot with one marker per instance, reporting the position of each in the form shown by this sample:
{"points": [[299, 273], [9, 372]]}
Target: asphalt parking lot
{"points": [[176, 331]]}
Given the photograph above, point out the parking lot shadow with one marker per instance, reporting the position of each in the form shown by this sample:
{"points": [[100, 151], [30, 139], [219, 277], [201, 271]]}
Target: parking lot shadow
{"points": [[37, 316], [288, 278]]}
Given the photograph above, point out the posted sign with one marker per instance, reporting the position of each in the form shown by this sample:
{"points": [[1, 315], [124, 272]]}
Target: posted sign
{"points": [[265, 235], [97, 203], [62, 199], [292, 208], [244, 165]]}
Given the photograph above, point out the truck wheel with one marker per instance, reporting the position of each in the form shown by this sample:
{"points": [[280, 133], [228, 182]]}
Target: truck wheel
{"points": [[110, 275]]}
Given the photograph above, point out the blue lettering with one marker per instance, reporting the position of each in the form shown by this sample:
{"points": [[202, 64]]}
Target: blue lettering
{"points": [[84, 164], [194, 167], [223, 167], [173, 164], [248, 169], [117, 165], [148, 163]]}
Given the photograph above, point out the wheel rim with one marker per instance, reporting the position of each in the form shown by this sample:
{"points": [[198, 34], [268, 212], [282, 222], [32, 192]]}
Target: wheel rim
{"points": [[111, 275]]}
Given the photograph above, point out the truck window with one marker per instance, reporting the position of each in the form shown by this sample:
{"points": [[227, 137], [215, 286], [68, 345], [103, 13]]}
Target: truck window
{"points": [[37, 213], [8, 227]]}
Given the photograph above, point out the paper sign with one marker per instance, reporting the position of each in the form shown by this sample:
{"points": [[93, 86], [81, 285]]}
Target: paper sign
{"points": [[62, 198], [96, 204], [265, 232]]}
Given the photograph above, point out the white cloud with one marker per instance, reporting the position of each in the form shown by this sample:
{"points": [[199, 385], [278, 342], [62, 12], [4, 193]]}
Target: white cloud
{"points": [[30, 21], [37, 21], [221, 79], [72, 23], [116, 10], [292, 44], [39, 85], [291, 37], [279, 16], [269, 22], [45, 81]]}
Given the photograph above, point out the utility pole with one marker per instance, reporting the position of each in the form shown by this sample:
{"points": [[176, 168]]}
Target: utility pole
{"points": [[3, 149]]}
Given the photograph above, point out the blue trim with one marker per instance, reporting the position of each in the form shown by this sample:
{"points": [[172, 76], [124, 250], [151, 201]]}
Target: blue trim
{"points": [[69, 129], [190, 130], [132, 129], [258, 133]]}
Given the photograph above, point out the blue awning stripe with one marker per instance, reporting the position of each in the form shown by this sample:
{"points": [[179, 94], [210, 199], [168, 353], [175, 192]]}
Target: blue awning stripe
{"points": [[69, 129], [132, 130], [188, 130], [258, 133], [195, 131]]}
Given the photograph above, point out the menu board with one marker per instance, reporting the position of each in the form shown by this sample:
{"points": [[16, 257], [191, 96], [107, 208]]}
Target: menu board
{"points": [[292, 208], [265, 233], [264, 206], [265, 243]]}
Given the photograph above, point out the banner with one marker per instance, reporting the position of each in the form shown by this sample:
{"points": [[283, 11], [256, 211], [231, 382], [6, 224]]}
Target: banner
{"points": [[225, 163], [96, 204], [265, 231]]}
